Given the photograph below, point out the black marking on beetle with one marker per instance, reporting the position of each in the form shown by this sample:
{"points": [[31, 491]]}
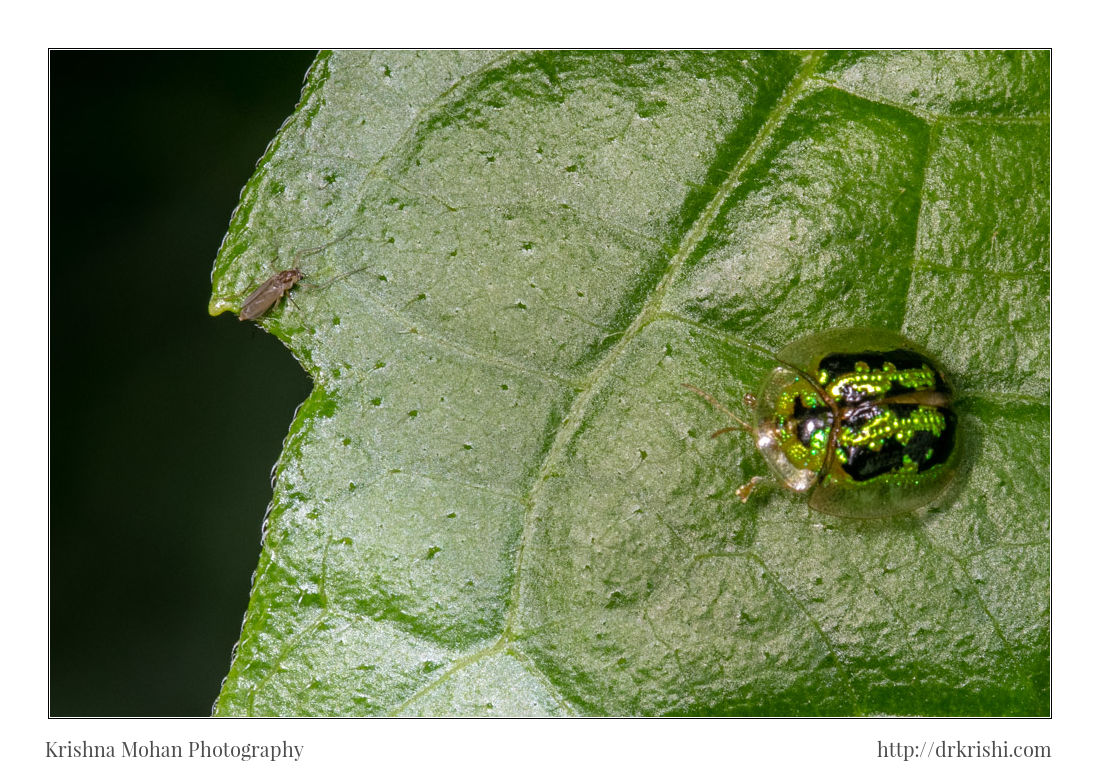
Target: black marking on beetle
{"points": [[810, 419], [925, 448], [836, 365]]}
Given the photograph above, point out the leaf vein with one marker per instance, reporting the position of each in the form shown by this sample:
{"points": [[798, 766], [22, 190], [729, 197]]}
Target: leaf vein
{"points": [[946, 554], [933, 117], [456, 666], [650, 309], [929, 147], [800, 605], [919, 264], [412, 328], [420, 117]]}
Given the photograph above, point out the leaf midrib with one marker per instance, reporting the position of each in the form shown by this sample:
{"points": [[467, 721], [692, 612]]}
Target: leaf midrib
{"points": [[649, 312]]}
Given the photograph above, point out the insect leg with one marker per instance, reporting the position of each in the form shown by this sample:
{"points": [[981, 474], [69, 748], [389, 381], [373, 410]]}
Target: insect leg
{"points": [[745, 491], [310, 251], [342, 275]]}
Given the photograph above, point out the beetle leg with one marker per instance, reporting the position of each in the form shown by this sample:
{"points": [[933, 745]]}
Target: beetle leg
{"points": [[310, 251], [745, 491]]}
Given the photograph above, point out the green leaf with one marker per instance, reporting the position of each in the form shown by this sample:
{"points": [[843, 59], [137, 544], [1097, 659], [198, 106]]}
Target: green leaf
{"points": [[499, 500]]}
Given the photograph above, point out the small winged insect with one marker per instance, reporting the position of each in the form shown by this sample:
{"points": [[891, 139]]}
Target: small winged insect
{"points": [[268, 293]]}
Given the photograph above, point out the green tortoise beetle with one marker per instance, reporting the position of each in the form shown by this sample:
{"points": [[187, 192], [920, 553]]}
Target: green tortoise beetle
{"points": [[860, 419]]}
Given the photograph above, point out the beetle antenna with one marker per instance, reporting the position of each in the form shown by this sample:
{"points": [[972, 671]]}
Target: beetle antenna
{"points": [[719, 406], [727, 429]]}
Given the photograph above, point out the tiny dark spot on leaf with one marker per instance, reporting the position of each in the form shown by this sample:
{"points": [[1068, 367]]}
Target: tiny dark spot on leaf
{"points": [[647, 108], [413, 413], [617, 599], [432, 551], [376, 401]]}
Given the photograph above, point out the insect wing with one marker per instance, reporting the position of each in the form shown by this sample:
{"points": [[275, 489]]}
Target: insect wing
{"points": [[261, 300]]}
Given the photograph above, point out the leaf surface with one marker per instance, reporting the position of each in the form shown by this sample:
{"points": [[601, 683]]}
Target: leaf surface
{"points": [[499, 500]]}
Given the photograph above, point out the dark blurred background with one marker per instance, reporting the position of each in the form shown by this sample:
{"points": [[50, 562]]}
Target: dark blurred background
{"points": [[164, 422]]}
